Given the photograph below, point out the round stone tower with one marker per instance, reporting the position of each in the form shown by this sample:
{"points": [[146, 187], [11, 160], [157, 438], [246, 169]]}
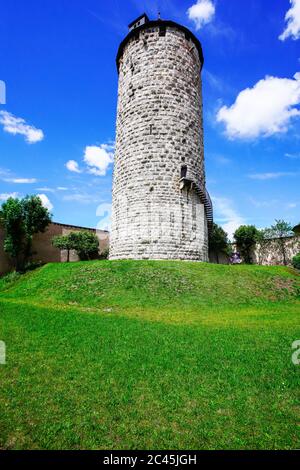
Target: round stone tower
{"points": [[161, 209]]}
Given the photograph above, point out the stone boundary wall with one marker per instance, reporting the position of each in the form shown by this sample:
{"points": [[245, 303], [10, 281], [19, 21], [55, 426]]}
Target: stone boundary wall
{"points": [[269, 253], [45, 252]]}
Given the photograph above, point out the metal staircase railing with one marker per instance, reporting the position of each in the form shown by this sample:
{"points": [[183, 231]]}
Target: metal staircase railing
{"points": [[204, 198]]}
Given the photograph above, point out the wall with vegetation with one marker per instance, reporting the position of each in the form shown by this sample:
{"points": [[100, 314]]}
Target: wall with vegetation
{"points": [[44, 251], [269, 252]]}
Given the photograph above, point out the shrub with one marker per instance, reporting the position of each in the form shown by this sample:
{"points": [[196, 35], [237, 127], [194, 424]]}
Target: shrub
{"points": [[218, 241], [11, 277], [9, 280], [104, 254], [86, 244], [32, 265], [246, 237], [296, 261]]}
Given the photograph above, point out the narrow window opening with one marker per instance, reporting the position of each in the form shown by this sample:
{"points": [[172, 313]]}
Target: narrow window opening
{"points": [[183, 172], [162, 31]]}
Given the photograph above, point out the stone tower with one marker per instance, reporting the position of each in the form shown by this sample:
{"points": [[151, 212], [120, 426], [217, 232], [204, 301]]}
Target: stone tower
{"points": [[161, 209]]}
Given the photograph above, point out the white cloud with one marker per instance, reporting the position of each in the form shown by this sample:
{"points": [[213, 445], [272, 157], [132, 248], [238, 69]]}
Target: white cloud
{"points": [[4, 172], [292, 19], [52, 190], [46, 190], [73, 166], [45, 201], [15, 125], [2, 92], [263, 110], [215, 82], [264, 204], [98, 159], [82, 198], [221, 160], [226, 215], [201, 12], [21, 180], [5, 196], [271, 176], [293, 156]]}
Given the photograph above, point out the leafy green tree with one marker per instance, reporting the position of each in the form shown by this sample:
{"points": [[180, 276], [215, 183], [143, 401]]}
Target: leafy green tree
{"points": [[85, 243], [36, 219], [63, 242], [218, 241], [246, 236], [21, 219], [278, 233], [11, 218]]}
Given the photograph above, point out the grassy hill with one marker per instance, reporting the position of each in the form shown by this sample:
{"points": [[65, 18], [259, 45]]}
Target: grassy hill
{"points": [[150, 354]]}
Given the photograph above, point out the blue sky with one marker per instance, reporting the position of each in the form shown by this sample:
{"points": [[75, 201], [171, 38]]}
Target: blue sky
{"points": [[57, 126]]}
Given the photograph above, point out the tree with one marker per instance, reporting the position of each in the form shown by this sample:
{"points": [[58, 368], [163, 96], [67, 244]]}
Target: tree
{"points": [[246, 237], [63, 242], [218, 241], [11, 217], [36, 219], [21, 219], [278, 233], [85, 243]]}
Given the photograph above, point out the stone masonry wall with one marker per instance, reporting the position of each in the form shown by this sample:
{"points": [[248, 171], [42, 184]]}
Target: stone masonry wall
{"points": [[270, 253], [159, 130]]}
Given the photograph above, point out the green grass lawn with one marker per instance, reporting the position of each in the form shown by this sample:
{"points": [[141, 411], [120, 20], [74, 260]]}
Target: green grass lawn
{"points": [[150, 355]]}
